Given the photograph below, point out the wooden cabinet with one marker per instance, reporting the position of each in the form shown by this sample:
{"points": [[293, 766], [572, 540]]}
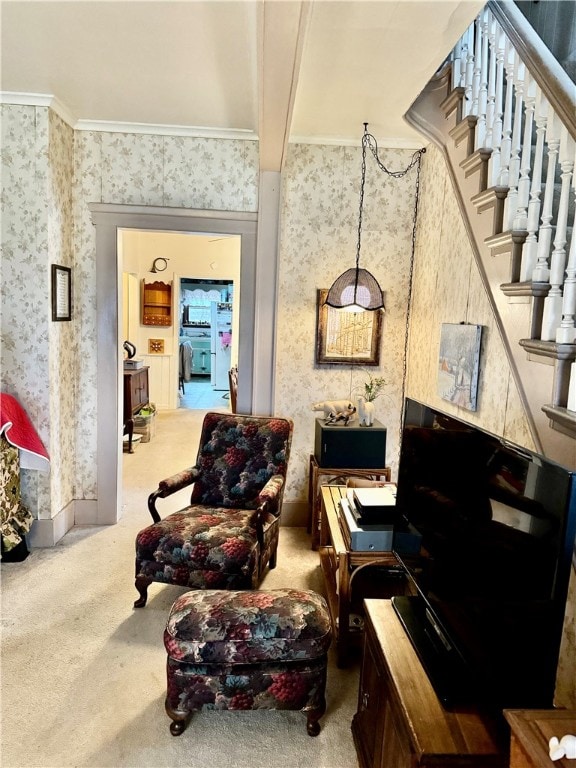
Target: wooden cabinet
{"points": [[530, 734], [400, 723], [136, 396], [368, 721], [156, 303]]}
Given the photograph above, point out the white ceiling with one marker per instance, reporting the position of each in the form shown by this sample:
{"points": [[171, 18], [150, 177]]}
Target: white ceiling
{"points": [[269, 69]]}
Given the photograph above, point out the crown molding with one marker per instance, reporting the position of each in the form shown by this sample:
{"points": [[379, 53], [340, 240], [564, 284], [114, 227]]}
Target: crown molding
{"points": [[242, 134], [105, 126], [50, 101], [332, 141], [47, 100]]}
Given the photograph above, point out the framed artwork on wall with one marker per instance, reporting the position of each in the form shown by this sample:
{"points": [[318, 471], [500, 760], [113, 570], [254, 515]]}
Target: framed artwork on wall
{"points": [[346, 338], [61, 293], [459, 363]]}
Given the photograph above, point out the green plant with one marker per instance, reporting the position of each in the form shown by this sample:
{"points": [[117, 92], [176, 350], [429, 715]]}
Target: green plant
{"points": [[373, 387]]}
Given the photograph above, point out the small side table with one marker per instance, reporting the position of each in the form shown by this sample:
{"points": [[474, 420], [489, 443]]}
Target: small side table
{"points": [[336, 476], [342, 568], [531, 731]]}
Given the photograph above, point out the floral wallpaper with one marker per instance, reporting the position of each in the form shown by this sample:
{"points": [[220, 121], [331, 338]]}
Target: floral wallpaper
{"points": [[25, 279], [134, 169], [62, 336], [49, 176], [447, 288], [319, 223]]}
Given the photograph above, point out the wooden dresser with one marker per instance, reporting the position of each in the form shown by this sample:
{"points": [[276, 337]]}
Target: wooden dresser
{"points": [[136, 396]]}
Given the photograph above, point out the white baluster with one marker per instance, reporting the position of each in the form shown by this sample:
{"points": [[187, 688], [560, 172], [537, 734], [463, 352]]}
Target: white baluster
{"points": [[553, 302], [530, 250], [521, 217], [506, 143], [495, 157], [490, 35], [514, 170], [480, 133], [571, 405], [542, 269], [457, 64], [566, 333], [469, 70], [477, 69]]}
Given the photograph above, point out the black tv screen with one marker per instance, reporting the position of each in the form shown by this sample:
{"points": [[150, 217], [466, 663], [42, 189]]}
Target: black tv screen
{"points": [[498, 524]]}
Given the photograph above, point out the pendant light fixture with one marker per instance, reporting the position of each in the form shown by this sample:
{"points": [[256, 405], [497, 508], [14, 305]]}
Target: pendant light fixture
{"points": [[357, 290]]}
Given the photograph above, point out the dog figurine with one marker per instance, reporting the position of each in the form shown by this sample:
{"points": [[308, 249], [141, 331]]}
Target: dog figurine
{"points": [[334, 407]]}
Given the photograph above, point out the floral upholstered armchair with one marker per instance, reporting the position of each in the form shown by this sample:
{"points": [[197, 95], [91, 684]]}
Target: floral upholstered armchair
{"points": [[228, 534]]}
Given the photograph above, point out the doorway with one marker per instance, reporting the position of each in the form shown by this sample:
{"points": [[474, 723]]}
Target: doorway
{"points": [[253, 333], [208, 342], [202, 274]]}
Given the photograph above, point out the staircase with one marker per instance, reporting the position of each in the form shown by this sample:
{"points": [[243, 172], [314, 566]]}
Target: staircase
{"points": [[503, 112]]}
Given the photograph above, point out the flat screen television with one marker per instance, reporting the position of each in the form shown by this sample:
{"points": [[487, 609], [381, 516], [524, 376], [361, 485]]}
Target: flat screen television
{"points": [[490, 584]]}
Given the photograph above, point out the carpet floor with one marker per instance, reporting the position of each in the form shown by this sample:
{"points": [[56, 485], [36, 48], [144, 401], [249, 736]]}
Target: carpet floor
{"points": [[83, 673]]}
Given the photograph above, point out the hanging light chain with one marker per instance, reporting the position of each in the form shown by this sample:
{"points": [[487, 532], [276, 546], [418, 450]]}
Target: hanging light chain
{"points": [[369, 140], [418, 161], [361, 206]]}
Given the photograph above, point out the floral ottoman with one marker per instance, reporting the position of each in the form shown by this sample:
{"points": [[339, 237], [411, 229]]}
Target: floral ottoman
{"points": [[247, 650]]}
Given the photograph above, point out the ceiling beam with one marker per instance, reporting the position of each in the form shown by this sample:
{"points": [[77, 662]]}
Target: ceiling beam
{"points": [[283, 27]]}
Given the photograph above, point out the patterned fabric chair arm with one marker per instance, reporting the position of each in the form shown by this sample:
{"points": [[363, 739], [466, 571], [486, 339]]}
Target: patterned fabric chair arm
{"points": [[268, 496], [169, 486]]}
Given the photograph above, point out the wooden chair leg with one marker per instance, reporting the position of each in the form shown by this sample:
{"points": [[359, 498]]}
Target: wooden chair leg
{"points": [[313, 718], [179, 722], [142, 583]]}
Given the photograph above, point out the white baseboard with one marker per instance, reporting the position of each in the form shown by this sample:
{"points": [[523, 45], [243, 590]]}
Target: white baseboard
{"points": [[47, 533], [86, 512]]}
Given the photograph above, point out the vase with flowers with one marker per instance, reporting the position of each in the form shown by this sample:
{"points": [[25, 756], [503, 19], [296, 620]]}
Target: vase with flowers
{"points": [[365, 401]]}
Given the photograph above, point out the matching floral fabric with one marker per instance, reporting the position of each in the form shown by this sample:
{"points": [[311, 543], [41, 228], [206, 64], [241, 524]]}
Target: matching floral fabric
{"points": [[229, 532], [258, 686], [218, 627], [247, 650], [202, 547], [237, 457]]}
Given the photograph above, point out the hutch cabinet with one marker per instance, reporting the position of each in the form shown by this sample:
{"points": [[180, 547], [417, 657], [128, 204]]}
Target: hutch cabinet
{"points": [[156, 303]]}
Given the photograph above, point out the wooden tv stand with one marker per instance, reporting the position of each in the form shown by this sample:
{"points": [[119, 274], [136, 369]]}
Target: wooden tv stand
{"points": [[400, 722]]}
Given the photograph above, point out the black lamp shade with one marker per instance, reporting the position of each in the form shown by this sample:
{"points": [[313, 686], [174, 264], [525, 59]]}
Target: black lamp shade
{"points": [[355, 288]]}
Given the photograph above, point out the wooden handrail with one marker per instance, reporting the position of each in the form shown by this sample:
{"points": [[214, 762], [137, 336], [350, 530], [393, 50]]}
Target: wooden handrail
{"points": [[548, 73]]}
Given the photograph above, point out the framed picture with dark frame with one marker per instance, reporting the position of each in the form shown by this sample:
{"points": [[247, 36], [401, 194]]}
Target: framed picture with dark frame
{"points": [[346, 338], [61, 293]]}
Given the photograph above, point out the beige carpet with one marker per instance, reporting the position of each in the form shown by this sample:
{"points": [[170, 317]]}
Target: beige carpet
{"points": [[83, 677]]}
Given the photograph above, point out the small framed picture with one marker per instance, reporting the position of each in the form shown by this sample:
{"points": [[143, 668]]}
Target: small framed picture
{"points": [[61, 293], [459, 363]]}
